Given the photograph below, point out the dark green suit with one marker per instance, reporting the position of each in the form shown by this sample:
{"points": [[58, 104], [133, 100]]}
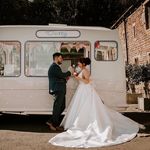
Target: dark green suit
{"points": [[57, 87]]}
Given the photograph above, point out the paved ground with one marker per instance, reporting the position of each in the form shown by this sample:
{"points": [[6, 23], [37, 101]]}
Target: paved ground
{"points": [[31, 133]]}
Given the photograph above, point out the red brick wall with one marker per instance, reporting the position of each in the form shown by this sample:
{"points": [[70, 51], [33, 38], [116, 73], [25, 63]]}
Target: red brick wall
{"points": [[138, 37]]}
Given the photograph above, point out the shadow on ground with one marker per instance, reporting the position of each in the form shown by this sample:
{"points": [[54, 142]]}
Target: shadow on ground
{"points": [[31, 123], [142, 118], [37, 123]]}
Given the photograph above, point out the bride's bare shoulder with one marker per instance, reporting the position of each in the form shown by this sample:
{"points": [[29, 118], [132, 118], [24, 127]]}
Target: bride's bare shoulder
{"points": [[86, 71]]}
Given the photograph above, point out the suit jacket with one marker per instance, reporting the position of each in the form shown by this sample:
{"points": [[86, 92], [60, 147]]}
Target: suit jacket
{"points": [[57, 79]]}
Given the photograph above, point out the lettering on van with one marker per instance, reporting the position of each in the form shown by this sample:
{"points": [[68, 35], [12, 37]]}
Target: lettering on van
{"points": [[57, 34]]}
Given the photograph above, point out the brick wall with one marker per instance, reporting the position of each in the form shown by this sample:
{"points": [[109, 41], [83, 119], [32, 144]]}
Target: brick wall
{"points": [[138, 37]]}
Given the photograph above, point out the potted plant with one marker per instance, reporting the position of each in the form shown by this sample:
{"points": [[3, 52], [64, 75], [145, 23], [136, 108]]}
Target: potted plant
{"points": [[144, 102], [133, 78]]}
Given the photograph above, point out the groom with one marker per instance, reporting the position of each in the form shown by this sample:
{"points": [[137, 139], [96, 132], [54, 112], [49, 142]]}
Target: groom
{"points": [[57, 88]]}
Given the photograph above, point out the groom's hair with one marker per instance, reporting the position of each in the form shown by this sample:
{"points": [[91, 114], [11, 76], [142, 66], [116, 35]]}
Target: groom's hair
{"points": [[56, 55]]}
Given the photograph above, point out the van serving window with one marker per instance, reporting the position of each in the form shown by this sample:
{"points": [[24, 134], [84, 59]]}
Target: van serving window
{"points": [[10, 58], [106, 50], [38, 55], [58, 34]]}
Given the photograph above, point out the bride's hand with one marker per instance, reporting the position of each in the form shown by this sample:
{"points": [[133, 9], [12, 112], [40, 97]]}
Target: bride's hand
{"points": [[76, 77], [75, 73]]}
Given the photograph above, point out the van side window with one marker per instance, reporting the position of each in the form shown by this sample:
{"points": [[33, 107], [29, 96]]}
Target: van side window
{"points": [[106, 50], [38, 57], [10, 54]]}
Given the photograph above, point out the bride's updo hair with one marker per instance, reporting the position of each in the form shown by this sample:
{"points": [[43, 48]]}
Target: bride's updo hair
{"points": [[88, 61], [85, 61]]}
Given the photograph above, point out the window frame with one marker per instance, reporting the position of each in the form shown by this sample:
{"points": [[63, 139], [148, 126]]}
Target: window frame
{"points": [[147, 15], [106, 41], [62, 41], [148, 57], [19, 55]]}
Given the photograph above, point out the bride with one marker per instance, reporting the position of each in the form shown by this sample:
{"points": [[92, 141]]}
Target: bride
{"points": [[88, 122]]}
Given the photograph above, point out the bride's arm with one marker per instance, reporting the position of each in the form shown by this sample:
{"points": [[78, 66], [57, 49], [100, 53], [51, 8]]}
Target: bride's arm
{"points": [[85, 77]]}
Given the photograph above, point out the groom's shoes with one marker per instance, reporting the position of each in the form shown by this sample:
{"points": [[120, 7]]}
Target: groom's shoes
{"points": [[51, 126], [58, 128], [61, 129]]}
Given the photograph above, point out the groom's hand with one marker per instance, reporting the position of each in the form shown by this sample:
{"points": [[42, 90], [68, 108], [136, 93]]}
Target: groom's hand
{"points": [[67, 78]]}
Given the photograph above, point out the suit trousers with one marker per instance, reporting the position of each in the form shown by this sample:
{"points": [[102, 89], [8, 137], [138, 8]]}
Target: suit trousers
{"points": [[58, 107]]}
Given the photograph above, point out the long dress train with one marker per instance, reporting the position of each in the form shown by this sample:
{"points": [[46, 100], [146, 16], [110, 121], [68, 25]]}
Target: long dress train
{"points": [[89, 123]]}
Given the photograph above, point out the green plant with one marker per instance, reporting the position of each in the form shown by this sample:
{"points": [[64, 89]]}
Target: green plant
{"points": [[134, 73], [146, 79]]}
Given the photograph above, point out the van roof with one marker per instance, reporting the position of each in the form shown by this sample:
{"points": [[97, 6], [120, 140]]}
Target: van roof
{"points": [[56, 26]]}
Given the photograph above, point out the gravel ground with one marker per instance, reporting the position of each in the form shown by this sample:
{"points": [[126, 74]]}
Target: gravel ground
{"points": [[31, 133], [16, 140]]}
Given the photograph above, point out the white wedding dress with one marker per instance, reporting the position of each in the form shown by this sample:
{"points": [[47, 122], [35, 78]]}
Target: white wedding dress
{"points": [[89, 123]]}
